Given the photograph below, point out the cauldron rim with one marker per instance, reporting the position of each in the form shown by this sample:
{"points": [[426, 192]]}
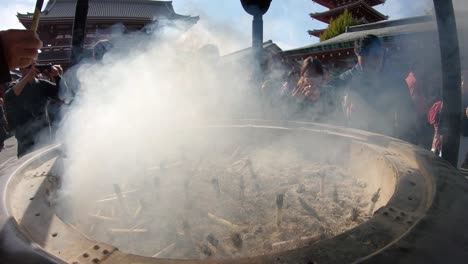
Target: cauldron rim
{"points": [[408, 235]]}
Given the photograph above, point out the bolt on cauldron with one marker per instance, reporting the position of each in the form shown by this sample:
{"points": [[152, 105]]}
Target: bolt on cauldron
{"points": [[253, 192]]}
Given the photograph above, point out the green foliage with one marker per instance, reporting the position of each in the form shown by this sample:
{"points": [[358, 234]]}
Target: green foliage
{"points": [[338, 26]]}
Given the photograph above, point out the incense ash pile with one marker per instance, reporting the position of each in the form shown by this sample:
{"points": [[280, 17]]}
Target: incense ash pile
{"points": [[227, 206]]}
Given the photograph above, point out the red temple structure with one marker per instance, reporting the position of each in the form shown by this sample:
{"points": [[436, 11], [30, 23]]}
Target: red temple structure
{"points": [[405, 41], [56, 23], [362, 10]]}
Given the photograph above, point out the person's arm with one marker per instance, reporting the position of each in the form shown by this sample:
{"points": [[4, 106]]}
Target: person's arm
{"points": [[343, 79], [19, 86]]}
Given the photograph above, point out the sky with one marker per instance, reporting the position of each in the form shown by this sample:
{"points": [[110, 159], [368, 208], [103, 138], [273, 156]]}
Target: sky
{"points": [[286, 23]]}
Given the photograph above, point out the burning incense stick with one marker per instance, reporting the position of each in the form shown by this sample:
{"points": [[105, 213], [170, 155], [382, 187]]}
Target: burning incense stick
{"points": [[295, 243], [279, 209], [242, 189], [237, 241], [335, 193], [322, 184], [123, 206], [37, 15], [165, 251], [103, 218], [215, 183], [374, 200], [249, 165], [221, 221], [309, 209], [116, 230]]}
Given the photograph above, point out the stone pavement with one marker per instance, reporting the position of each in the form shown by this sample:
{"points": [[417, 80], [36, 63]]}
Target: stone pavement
{"points": [[8, 154]]}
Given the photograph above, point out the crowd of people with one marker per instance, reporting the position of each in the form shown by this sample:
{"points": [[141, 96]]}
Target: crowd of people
{"points": [[30, 106], [366, 96], [369, 96]]}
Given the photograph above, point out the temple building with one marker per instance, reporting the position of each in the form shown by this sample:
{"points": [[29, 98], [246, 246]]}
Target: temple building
{"points": [[407, 42], [56, 23], [361, 10], [400, 37]]}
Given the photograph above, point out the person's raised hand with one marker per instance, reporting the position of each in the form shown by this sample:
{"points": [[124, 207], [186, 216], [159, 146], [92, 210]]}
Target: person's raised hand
{"points": [[20, 47], [32, 73]]}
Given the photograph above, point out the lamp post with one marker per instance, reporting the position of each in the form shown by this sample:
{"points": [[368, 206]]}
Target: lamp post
{"points": [[257, 8], [450, 56], [79, 31]]}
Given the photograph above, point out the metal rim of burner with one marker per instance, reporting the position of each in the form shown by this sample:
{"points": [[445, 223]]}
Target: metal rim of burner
{"points": [[419, 214]]}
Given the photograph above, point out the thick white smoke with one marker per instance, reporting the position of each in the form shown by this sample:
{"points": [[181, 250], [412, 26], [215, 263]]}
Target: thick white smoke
{"points": [[137, 103]]}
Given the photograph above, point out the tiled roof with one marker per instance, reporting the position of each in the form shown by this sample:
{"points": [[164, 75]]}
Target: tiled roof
{"points": [[370, 13], [382, 29], [337, 3], [142, 9], [247, 52], [316, 32]]}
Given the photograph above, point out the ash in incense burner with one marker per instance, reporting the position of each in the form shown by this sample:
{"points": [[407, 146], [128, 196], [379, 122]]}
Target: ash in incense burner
{"points": [[238, 202]]}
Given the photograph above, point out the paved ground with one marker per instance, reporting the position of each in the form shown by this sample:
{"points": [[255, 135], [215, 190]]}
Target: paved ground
{"points": [[9, 152]]}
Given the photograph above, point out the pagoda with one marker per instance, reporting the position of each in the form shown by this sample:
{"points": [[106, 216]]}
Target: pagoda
{"points": [[361, 10], [56, 23]]}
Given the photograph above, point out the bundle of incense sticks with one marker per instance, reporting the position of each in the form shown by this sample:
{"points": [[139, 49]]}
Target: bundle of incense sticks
{"points": [[37, 15]]}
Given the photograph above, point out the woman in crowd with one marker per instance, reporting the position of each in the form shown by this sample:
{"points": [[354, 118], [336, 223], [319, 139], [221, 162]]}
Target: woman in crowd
{"points": [[308, 91], [310, 82]]}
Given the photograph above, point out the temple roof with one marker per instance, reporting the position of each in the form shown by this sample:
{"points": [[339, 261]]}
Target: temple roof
{"points": [[316, 32], [359, 9], [146, 10], [336, 3], [268, 46], [384, 29]]}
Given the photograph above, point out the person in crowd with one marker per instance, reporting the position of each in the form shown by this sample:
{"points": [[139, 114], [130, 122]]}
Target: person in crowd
{"points": [[101, 48], [55, 104], [463, 152], [288, 104], [419, 87], [290, 83], [308, 91], [45, 73], [433, 117], [311, 80], [25, 103], [415, 88], [270, 92], [375, 100], [18, 48], [3, 120], [3, 125]]}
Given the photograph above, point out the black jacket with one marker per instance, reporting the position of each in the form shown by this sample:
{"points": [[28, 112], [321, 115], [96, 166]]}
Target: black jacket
{"points": [[4, 69], [380, 104], [30, 105]]}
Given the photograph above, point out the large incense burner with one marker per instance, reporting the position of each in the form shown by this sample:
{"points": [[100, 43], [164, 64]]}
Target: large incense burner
{"points": [[294, 193]]}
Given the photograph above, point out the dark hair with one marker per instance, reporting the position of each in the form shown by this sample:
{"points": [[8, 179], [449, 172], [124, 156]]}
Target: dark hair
{"points": [[101, 48], [368, 45], [311, 63]]}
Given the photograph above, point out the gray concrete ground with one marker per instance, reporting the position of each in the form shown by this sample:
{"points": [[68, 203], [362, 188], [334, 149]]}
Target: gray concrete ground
{"points": [[8, 154]]}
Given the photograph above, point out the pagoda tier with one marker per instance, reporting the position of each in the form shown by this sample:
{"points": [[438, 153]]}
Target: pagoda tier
{"points": [[337, 3], [316, 32], [56, 22], [359, 10]]}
